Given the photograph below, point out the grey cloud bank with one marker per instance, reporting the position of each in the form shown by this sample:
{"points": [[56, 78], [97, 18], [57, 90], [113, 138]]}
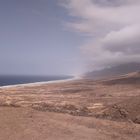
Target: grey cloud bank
{"points": [[112, 28]]}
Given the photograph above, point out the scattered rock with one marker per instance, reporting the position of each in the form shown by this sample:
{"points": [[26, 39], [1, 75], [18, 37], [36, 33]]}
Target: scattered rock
{"points": [[137, 119], [63, 108]]}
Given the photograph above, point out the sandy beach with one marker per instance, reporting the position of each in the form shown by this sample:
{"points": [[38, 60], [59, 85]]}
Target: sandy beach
{"points": [[39, 83]]}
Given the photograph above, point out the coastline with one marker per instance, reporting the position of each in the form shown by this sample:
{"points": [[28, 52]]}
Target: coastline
{"points": [[39, 83]]}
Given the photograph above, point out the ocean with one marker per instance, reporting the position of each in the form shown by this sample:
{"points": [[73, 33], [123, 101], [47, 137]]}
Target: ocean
{"points": [[14, 80]]}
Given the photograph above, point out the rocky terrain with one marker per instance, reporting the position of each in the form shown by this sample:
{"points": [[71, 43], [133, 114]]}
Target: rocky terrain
{"points": [[83, 109]]}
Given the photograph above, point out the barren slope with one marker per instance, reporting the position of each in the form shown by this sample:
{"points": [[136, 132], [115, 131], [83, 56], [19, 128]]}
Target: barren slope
{"points": [[81, 109]]}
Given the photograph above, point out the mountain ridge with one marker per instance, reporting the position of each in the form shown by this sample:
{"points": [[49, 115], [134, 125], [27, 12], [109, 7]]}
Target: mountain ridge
{"points": [[123, 69]]}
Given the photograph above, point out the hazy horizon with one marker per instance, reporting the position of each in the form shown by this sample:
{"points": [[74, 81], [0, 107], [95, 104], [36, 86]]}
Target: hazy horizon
{"points": [[34, 40], [67, 37]]}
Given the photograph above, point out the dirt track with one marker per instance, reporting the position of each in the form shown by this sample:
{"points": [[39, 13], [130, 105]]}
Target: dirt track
{"points": [[81, 109]]}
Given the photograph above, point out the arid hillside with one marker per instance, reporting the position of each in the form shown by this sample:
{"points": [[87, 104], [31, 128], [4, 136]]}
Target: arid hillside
{"points": [[80, 109], [113, 71]]}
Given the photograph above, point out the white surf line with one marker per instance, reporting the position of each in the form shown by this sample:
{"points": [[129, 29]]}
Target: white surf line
{"points": [[38, 83]]}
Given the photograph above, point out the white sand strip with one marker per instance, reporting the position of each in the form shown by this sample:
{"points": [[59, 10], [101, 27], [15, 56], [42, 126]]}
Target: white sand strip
{"points": [[39, 83]]}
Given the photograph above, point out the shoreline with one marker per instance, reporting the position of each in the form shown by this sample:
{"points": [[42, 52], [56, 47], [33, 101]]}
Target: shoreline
{"points": [[39, 83]]}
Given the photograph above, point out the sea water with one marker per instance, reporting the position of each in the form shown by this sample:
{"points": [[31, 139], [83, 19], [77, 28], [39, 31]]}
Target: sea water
{"points": [[6, 80]]}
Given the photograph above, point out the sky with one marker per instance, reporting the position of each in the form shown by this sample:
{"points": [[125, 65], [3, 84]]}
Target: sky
{"points": [[112, 27], [51, 37], [35, 41]]}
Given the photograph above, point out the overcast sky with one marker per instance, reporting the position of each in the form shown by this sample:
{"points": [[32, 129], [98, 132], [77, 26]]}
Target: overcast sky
{"points": [[112, 27], [67, 36]]}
